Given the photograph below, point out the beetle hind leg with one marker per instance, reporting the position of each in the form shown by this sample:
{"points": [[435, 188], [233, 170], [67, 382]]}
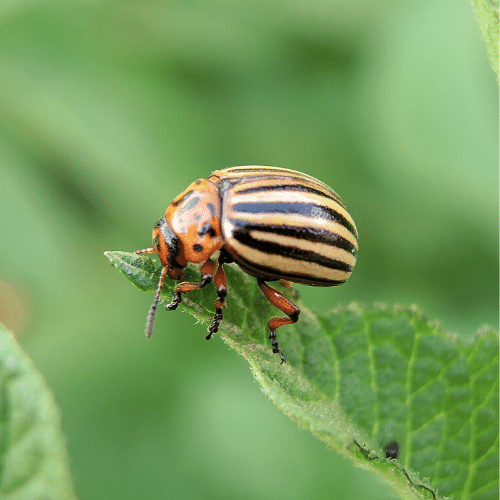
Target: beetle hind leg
{"points": [[285, 305]]}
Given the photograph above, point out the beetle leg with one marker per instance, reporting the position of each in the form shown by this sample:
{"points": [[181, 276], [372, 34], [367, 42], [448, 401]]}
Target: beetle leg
{"points": [[278, 300], [221, 286], [207, 274]]}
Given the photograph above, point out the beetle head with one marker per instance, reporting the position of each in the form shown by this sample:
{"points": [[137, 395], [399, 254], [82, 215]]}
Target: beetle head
{"points": [[167, 245]]}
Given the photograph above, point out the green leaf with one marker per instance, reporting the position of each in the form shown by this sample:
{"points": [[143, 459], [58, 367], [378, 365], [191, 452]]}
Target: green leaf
{"points": [[487, 18], [33, 458], [360, 378]]}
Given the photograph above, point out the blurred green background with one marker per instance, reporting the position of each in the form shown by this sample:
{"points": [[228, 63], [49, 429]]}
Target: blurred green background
{"points": [[109, 109]]}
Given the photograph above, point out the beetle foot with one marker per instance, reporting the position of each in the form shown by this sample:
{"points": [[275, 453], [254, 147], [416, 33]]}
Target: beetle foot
{"points": [[276, 348], [214, 327], [175, 302]]}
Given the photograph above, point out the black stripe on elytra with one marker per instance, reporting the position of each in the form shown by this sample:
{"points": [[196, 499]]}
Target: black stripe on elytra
{"points": [[271, 274], [315, 235], [307, 209], [290, 187], [291, 252], [260, 171]]}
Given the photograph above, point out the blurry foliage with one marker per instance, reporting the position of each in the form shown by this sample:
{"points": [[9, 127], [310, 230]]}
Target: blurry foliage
{"points": [[110, 109], [35, 464], [487, 19]]}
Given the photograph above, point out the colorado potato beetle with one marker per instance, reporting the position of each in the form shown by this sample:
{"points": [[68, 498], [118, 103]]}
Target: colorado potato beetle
{"points": [[275, 223]]}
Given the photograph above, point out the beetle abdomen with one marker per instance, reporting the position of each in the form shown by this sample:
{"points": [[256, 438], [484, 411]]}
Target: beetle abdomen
{"points": [[282, 224]]}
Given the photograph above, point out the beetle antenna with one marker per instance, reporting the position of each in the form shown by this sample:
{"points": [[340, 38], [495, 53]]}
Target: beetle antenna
{"points": [[152, 312]]}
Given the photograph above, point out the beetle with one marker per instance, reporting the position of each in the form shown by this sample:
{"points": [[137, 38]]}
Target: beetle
{"points": [[275, 223]]}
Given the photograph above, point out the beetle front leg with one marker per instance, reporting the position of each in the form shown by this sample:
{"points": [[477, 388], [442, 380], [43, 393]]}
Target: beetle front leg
{"points": [[221, 286], [278, 300], [207, 274]]}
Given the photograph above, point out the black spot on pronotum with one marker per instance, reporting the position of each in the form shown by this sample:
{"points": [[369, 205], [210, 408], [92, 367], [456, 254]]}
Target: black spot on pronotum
{"points": [[211, 207], [197, 248], [207, 229], [392, 450], [190, 204]]}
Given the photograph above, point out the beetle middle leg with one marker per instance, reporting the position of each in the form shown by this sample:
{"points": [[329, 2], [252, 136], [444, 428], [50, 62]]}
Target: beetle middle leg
{"points": [[278, 300], [207, 274]]}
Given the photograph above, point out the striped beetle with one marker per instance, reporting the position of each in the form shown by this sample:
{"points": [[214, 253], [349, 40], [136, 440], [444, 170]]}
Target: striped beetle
{"points": [[275, 223]]}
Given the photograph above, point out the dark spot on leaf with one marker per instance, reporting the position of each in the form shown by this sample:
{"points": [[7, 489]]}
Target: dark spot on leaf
{"points": [[391, 449]]}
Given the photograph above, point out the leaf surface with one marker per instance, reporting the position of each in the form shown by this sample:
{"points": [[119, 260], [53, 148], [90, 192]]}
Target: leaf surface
{"points": [[361, 378]]}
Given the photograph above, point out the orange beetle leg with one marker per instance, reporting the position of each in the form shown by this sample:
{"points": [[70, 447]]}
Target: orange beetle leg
{"points": [[207, 274], [221, 286], [278, 300]]}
